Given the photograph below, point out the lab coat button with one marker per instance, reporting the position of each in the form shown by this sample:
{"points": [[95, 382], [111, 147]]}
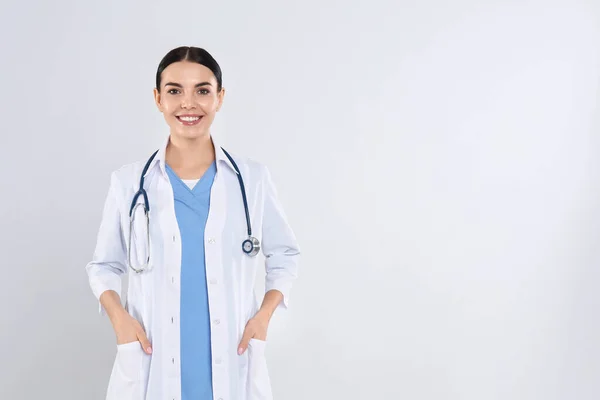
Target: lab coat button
{"points": [[217, 321], [211, 240], [213, 281]]}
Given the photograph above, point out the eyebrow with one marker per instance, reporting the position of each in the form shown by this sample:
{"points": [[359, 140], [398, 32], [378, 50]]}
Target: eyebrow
{"points": [[180, 86]]}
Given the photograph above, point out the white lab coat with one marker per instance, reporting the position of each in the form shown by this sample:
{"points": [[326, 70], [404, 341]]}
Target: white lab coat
{"points": [[153, 296]]}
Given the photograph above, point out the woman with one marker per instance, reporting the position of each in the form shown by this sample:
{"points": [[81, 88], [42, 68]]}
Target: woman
{"points": [[191, 327]]}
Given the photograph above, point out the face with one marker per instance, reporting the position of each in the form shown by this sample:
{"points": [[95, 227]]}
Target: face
{"points": [[188, 99]]}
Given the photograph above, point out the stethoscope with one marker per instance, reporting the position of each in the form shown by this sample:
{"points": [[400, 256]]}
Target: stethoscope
{"points": [[250, 246]]}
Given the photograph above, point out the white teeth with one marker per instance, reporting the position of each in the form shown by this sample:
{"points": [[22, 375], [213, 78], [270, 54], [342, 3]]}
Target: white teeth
{"points": [[189, 119]]}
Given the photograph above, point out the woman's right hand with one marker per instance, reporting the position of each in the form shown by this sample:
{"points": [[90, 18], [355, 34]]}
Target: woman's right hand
{"points": [[129, 330]]}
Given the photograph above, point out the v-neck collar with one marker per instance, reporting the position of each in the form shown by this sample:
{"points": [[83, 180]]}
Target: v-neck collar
{"points": [[196, 189]]}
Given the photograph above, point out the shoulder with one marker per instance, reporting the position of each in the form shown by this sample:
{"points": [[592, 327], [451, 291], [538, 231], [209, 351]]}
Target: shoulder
{"points": [[126, 178], [250, 168], [128, 173]]}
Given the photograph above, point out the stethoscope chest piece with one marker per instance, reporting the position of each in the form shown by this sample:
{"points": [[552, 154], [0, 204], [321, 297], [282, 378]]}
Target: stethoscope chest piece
{"points": [[251, 246]]}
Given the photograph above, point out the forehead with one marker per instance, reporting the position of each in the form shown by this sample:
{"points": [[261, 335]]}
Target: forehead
{"points": [[185, 72]]}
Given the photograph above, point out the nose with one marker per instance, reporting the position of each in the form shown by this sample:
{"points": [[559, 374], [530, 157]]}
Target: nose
{"points": [[187, 101]]}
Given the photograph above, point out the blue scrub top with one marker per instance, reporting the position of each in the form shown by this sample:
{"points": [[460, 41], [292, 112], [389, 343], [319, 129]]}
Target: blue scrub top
{"points": [[191, 210]]}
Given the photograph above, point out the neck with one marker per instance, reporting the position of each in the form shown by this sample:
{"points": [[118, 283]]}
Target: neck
{"points": [[189, 153]]}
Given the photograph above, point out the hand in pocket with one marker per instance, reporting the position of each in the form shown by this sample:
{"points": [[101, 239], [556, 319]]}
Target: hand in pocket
{"points": [[129, 330]]}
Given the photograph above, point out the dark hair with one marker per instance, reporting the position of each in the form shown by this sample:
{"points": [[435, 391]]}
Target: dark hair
{"points": [[192, 54]]}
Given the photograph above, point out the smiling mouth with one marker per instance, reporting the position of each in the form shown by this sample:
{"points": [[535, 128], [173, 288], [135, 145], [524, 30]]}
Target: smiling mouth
{"points": [[189, 119]]}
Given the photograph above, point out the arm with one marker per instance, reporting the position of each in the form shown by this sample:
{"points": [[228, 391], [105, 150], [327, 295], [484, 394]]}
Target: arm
{"points": [[109, 260], [109, 263], [282, 252]]}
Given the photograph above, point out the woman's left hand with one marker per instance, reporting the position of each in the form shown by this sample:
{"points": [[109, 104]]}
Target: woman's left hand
{"points": [[255, 328]]}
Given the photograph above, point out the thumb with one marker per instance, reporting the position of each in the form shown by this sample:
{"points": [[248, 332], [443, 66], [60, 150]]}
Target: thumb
{"points": [[244, 343], [145, 342]]}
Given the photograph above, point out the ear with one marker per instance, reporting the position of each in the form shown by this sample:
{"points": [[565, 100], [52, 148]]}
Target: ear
{"points": [[221, 95], [157, 99]]}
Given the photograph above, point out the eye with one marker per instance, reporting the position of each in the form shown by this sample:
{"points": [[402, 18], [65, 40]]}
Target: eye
{"points": [[173, 91], [204, 91]]}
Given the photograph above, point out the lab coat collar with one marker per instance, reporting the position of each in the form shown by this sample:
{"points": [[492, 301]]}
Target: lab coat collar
{"points": [[159, 159], [220, 156]]}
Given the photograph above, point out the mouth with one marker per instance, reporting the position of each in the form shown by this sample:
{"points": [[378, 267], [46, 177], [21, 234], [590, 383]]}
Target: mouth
{"points": [[189, 120]]}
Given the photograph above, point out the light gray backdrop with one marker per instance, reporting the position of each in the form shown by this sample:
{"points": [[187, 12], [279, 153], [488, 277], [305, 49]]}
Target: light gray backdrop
{"points": [[438, 161]]}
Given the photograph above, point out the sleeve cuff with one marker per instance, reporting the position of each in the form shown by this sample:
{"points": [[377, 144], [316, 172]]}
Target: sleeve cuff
{"points": [[101, 286], [282, 285]]}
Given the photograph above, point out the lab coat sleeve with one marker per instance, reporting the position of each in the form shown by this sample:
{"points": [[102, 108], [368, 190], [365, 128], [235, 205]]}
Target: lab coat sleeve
{"points": [[109, 259], [279, 244]]}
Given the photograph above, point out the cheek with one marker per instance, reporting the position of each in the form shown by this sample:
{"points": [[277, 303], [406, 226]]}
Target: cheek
{"points": [[168, 102], [209, 104], [168, 108]]}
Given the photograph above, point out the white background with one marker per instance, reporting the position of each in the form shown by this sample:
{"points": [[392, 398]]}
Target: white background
{"points": [[439, 162]]}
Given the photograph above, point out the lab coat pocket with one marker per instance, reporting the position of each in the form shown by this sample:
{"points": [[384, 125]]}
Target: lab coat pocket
{"points": [[128, 379], [258, 385]]}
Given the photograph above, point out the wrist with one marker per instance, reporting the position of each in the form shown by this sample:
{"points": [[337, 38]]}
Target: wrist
{"points": [[118, 316], [263, 315]]}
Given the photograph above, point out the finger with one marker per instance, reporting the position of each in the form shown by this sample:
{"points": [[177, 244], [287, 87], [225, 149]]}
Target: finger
{"points": [[245, 340], [145, 342]]}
